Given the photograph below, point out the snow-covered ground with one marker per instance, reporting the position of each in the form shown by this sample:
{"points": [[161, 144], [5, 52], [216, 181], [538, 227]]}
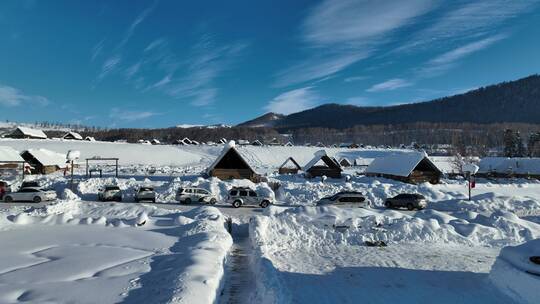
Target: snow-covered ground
{"points": [[79, 252], [76, 249]]}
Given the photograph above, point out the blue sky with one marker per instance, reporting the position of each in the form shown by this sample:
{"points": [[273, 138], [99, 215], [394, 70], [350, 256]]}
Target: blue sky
{"points": [[163, 63]]}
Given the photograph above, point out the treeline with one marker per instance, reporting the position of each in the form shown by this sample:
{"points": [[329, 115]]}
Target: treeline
{"points": [[456, 134], [462, 136], [170, 135]]}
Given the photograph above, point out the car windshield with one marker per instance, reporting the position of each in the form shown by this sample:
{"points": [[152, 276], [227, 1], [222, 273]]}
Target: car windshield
{"points": [[146, 189], [109, 188]]}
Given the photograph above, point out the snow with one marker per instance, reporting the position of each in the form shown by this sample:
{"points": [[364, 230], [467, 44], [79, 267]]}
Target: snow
{"points": [[75, 135], [8, 154], [398, 164], [302, 250], [58, 254], [455, 251], [129, 154], [49, 158], [516, 275], [518, 165], [32, 132]]}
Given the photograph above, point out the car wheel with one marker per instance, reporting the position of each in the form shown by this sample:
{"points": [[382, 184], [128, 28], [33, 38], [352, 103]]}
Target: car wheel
{"points": [[237, 204], [37, 199], [119, 199], [410, 207], [265, 204], [137, 200], [388, 204], [187, 201], [213, 201], [8, 199]]}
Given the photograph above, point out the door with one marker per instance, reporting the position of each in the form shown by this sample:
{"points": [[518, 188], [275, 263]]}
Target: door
{"points": [[253, 198]]}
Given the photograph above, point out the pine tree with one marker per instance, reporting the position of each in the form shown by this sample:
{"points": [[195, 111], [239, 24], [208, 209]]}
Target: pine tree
{"points": [[509, 143]]}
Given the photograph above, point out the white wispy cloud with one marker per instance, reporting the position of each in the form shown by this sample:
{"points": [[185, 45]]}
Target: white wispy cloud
{"points": [[208, 61], [109, 66], [390, 85], [131, 115], [97, 49], [355, 78], [112, 62], [11, 97], [465, 21], [294, 101], [347, 31], [447, 60]]}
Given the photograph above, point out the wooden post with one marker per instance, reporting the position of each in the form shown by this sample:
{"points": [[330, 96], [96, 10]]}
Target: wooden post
{"points": [[117, 167], [87, 167], [72, 175], [469, 184]]}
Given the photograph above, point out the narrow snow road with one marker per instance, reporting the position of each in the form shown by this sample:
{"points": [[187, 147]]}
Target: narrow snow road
{"points": [[239, 282]]}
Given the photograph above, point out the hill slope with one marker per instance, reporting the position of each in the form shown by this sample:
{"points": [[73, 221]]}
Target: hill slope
{"points": [[515, 101]]}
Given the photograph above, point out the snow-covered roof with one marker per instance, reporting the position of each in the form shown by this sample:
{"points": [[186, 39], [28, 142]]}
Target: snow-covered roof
{"points": [[318, 156], [8, 154], [362, 161], [445, 164], [345, 160], [230, 145], [519, 165], [73, 134], [290, 163], [398, 164], [32, 132], [48, 157]]}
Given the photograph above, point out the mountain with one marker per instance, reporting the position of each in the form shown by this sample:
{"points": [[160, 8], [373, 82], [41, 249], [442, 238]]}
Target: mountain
{"points": [[266, 120], [515, 101]]}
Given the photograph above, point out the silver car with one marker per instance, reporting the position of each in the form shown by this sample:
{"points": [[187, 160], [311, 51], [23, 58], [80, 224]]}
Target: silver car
{"points": [[145, 194], [346, 199], [188, 195], [246, 197], [410, 201], [110, 193], [29, 194]]}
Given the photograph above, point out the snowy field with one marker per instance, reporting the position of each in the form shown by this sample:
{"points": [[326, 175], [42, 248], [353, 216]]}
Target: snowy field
{"points": [[76, 249]]}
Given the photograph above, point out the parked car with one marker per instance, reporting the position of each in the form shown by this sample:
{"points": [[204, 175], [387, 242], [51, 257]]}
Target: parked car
{"points": [[247, 197], [110, 193], [409, 200], [345, 198], [145, 194], [188, 195], [30, 184], [29, 194]]}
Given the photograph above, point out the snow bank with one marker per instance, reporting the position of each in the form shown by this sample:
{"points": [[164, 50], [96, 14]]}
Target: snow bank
{"points": [[516, 275], [131, 253]]}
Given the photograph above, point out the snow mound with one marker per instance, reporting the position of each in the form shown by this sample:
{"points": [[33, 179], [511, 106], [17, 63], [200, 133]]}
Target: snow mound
{"points": [[516, 275]]}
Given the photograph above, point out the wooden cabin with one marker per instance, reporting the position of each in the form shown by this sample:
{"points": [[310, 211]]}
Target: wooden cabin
{"points": [[409, 167], [257, 143], [44, 161], [231, 165], [344, 162], [23, 132], [323, 165], [72, 136], [290, 166], [509, 167]]}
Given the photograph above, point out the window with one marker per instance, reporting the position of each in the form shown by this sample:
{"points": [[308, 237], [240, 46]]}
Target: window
{"points": [[243, 193], [202, 191], [357, 199], [234, 192], [252, 193], [180, 190], [187, 191], [27, 190], [345, 199]]}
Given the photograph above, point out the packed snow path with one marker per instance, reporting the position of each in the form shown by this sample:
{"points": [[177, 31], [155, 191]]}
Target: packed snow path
{"points": [[239, 281]]}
